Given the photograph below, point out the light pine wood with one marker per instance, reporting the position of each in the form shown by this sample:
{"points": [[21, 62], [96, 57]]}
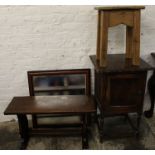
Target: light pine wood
{"points": [[136, 38], [129, 42], [103, 39], [98, 37], [120, 7], [112, 16], [120, 17]]}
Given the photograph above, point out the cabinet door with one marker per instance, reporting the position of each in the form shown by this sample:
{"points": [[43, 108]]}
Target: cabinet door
{"points": [[125, 93]]}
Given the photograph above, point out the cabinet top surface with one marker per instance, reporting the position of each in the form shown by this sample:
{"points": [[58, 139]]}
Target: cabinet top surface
{"points": [[118, 63], [119, 7], [51, 104]]}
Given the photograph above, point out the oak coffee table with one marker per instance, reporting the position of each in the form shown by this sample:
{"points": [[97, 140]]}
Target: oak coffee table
{"points": [[76, 105]]}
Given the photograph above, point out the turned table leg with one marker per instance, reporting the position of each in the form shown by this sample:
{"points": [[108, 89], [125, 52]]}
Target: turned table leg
{"points": [[23, 130], [85, 133], [138, 124], [151, 90], [101, 127]]}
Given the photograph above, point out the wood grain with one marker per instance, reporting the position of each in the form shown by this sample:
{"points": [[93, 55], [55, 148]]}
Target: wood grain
{"points": [[136, 38], [120, 17], [51, 105], [119, 7], [129, 42], [98, 37], [103, 39]]}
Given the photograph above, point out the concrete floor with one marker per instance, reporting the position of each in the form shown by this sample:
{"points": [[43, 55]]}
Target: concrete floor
{"points": [[10, 139]]}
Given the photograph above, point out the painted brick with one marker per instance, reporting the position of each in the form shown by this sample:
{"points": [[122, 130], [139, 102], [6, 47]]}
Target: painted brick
{"points": [[55, 37]]}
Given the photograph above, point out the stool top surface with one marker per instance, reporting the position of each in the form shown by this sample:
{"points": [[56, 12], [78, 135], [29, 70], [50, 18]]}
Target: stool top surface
{"points": [[106, 8], [51, 105]]}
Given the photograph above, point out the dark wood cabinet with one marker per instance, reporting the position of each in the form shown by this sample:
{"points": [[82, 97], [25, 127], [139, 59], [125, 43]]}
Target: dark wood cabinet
{"points": [[119, 88], [121, 92]]}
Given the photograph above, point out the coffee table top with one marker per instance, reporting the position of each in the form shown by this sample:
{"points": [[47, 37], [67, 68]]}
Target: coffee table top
{"points": [[51, 104]]}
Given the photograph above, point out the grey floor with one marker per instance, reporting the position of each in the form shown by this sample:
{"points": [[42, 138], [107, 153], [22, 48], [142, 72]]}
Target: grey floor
{"points": [[123, 137]]}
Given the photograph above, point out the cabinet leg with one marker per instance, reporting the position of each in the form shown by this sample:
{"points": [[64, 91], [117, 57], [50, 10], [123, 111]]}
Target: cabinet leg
{"points": [[95, 118], [138, 124], [151, 90], [101, 128], [85, 133], [23, 130]]}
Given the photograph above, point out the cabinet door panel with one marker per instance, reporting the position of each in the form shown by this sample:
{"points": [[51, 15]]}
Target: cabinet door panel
{"points": [[125, 91]]}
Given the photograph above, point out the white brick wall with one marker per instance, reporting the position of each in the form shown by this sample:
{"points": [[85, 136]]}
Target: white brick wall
{"points": [[54, 37]]}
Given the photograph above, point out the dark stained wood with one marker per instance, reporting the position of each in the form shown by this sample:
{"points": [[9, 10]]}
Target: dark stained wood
{"points": [[119, 7], [32, 89], [23, 130], [84, 132], [59, 88], [51, 104], [118, 63], [119, 88], [59, 72], [31, 74], [124, 93], [153, 55], [62, 125], [77, 105], [59, 132]]}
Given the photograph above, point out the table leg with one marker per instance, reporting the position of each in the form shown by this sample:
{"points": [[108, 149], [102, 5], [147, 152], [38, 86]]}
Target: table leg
{"points": [[151, 90], [23, 130], [85, 133]]}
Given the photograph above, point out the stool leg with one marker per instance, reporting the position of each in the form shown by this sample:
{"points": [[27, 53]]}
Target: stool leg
{"points": [[98, 36], [129, 42], [84, 133], [136, 39], [103, 38]]}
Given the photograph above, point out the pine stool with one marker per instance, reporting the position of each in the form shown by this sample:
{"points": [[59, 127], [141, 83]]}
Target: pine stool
{"points": [[112, 16]]}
